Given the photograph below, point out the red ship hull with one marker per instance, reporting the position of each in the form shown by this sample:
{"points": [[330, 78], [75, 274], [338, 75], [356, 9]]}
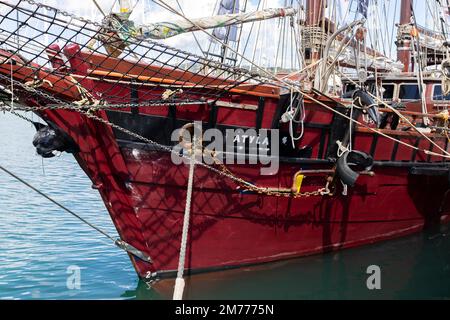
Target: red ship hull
{"points": [[145, 194]]}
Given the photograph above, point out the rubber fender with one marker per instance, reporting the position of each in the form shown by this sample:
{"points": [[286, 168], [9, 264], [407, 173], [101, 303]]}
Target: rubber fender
{"points": [[349, 159], [363, 100], [374, 114]]}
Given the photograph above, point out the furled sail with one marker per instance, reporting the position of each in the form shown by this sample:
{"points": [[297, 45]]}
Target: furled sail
{"points": [[163, 30], [428, 38], [373, 60]]}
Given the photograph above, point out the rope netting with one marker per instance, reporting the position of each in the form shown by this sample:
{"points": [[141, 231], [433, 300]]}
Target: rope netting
{"points": [[50, 58], [81, 62]]}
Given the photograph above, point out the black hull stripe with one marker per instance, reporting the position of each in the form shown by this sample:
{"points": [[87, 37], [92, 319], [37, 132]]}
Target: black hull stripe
{"points": [[394, 164]]}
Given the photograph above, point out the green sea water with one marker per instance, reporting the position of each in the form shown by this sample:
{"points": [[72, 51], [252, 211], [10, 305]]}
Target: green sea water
{"points": [[39, 243]]}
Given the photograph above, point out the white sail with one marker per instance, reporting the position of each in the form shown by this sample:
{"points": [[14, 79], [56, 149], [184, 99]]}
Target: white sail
{"points": [[347, 57]]}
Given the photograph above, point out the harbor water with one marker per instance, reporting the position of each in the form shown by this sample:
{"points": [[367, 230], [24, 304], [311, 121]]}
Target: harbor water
{"points": [[41, 245]]}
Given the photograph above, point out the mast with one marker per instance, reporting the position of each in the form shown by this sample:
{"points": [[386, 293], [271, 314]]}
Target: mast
{"points": [[314, 17], [314, 12], [404, 43]]}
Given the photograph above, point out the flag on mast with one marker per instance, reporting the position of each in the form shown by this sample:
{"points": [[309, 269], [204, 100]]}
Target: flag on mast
{"points": [[363, 6], [227, 7]]}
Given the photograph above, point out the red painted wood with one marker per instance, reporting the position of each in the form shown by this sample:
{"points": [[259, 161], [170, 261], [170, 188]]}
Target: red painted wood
{"points": [[145, 195], [145, 192]]}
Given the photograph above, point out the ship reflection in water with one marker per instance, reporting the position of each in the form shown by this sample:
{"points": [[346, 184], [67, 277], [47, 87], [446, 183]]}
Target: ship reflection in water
{"points": [[416, 267], [39, 243]]}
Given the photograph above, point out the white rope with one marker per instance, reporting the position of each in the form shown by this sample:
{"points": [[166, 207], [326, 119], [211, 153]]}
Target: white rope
{"points": [[290, 85], [350, 128], [341, 149], [293, 113], [179, 282], [344, 189], [12, 84]]}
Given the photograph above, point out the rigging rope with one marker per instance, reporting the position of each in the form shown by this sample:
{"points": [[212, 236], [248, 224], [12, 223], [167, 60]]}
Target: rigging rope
{"points": [[117, 241], [99, 8], [193, 34], [12, 85], [290, 84]]}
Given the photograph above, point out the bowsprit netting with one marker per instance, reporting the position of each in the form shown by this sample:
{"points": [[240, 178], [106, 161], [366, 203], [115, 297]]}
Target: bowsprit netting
{"points": [[53, 56]]}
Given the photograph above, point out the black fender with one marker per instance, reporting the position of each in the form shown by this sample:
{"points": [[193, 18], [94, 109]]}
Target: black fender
{"points": [[362, 99], [358, 160]]}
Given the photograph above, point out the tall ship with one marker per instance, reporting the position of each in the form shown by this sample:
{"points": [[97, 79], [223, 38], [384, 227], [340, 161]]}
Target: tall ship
{"points": [[343, 143]]}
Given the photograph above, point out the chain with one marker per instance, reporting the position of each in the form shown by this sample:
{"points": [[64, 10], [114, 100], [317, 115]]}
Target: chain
{"points": [[62, 12], [271, 192], [76, 107], [59, 104], [89, 110], [22, 117], [88, 107], [224, 170], [4, 107]]}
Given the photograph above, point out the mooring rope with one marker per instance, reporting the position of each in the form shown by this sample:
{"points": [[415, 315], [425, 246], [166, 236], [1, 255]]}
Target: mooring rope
{"points": [[117, 241], [179, 282]]}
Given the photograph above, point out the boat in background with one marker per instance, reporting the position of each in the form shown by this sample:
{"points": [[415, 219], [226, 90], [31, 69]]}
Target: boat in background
{"points": [[372, 153]]}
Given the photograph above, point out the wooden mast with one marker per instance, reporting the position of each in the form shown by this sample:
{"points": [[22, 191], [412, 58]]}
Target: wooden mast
{"points": [[314, 18], [403, 44], [314, 12]]}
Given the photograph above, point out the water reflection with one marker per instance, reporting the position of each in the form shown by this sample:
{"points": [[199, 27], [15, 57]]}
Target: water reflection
{"points": [[413, 267]]}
